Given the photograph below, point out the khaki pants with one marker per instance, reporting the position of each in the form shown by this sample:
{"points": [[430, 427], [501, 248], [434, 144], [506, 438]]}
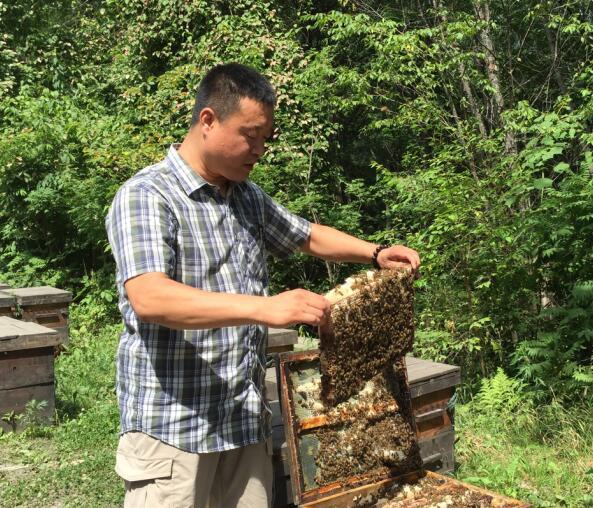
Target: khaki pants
{"points": [[158, 475]]}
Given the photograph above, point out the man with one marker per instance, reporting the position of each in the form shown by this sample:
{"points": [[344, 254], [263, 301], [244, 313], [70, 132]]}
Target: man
{"points": [[190, 237]]}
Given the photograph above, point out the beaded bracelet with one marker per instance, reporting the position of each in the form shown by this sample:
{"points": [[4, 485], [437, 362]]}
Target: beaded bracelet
{"points": [[376, 253]]}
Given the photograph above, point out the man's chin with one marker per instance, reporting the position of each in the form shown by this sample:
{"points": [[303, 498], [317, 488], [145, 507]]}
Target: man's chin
{"points": [[238, 178], [246, 170]]}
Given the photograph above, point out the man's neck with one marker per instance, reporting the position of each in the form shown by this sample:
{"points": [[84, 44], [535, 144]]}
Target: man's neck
{"points": [[188, 152]]}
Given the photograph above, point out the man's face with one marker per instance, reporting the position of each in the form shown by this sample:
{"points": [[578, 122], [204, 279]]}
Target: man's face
{"points": [[234, 145]]}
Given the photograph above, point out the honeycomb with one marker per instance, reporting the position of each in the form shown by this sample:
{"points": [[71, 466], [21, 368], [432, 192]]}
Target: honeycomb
{"points": [[371, 326], [373, 432]]}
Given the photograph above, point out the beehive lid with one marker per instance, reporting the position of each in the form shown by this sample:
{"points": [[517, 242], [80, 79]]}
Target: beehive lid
{"points": [[379, 419], [425, 376], [278, 337], [6, 299], [40, 295], [16, 335]]}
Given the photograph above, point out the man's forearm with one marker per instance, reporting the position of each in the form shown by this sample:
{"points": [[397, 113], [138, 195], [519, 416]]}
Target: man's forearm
{"points": [[333, 245], [158, 299]]}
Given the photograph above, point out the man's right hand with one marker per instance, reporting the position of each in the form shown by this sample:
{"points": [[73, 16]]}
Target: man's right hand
{"points": [[294, 307]]}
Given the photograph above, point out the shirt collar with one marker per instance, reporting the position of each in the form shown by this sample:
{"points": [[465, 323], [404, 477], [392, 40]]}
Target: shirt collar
{"points": [[189, 179]]}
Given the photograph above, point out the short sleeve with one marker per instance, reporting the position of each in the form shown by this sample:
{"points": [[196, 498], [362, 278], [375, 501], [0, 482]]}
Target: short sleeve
{"points": [[285, 232], [141, 230]]}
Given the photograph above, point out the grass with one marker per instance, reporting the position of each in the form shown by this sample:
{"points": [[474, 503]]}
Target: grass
{"points": [[70, 464], [542, 454]]}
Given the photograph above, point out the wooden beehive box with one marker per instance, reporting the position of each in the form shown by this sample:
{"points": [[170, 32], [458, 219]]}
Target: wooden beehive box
{"points": [[375, 426], [44, 305], [281, 340], [432, 388], [7, 304], [429, 382], [3, 285], [26, 368], [356, 487]]}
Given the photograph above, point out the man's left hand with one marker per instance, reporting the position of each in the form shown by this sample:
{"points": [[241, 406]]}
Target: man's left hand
{"points": [[398, 256]]}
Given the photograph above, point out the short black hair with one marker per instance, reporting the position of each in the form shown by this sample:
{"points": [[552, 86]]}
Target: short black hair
{"points": [[225, 85]]}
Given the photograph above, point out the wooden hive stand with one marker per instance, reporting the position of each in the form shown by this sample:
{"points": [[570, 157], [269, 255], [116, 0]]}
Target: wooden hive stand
{"points": [[26, 369]]}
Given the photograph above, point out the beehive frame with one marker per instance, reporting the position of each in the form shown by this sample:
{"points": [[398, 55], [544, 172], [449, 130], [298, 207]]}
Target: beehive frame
{"points": [[294, 427], [348, 498], [368, 330]]}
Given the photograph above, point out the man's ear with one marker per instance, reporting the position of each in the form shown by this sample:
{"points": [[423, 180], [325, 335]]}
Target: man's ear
{"points": [[207, 119]]}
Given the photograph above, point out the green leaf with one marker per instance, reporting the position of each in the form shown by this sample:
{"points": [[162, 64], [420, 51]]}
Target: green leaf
{"points": [[561, 167], [542, 183]]}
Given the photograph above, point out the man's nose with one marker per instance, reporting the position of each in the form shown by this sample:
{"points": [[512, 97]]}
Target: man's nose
{"points": [[259, 148]]}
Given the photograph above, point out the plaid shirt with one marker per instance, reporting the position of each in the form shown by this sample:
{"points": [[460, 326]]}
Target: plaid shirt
{"points": [[197, 390]]}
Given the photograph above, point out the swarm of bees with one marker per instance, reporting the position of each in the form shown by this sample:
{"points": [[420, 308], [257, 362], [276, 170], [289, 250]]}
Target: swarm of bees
{"points": [[372, 432], [371, 326], [380, 445]]}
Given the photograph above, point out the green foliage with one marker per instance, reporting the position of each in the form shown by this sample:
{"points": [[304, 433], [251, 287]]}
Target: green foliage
{"points": [[396, 125], [32, 418], [551, 358], [502, 397]]}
